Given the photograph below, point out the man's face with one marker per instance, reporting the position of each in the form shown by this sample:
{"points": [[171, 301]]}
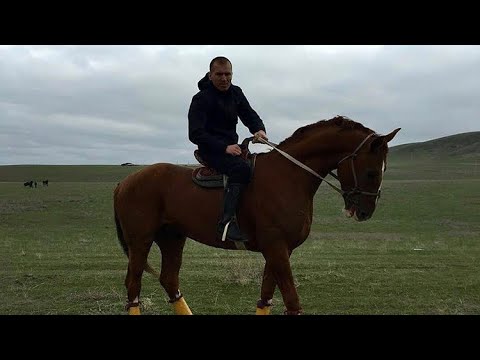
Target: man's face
{"points": [[221, 76]]}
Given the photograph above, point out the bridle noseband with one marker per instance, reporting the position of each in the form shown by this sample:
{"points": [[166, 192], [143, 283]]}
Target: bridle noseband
{"points": [[346, 194]]}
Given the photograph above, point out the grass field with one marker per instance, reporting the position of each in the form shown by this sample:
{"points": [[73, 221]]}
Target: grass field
{"points": [[419, 254]]}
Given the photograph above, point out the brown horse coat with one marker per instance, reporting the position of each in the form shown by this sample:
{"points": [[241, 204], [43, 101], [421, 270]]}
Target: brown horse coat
{"points": [[161, 204]]}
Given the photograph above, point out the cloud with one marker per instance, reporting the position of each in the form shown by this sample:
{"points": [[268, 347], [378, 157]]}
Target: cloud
{"points": [[114, 104]]}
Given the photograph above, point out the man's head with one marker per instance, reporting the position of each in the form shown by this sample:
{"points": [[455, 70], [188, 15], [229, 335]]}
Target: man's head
{"points": [[221, 73]]}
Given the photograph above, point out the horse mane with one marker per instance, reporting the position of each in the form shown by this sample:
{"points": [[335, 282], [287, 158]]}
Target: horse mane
{"points": [[342, 122]]}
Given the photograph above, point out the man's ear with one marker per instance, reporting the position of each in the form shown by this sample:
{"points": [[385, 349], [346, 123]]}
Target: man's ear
{"points": [[209, 76]]}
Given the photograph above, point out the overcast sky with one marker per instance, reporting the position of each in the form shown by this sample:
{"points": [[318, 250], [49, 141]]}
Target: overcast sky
{"points": [[106, 104]]}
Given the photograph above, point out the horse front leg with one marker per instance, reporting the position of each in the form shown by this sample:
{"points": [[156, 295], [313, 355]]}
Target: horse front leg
{"points": [[268, 288], [278, 262]]}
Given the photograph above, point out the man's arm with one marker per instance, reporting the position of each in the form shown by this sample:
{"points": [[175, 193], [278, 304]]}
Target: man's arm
{"points": [[248, 116], [196, 127]]}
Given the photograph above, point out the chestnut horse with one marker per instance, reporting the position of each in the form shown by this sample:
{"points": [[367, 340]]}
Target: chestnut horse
{"points": [[161, 204]]}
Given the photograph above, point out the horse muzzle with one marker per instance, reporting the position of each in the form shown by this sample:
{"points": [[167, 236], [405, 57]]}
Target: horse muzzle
{"points": [[357, 214]]}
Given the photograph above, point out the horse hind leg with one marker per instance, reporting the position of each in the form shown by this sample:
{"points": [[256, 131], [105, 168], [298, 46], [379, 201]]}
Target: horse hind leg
{"points": [[171, 243], [137, 260]]}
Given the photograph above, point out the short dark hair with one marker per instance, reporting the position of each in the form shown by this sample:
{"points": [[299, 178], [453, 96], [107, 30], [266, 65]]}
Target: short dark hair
{"points": [[220, 59]]}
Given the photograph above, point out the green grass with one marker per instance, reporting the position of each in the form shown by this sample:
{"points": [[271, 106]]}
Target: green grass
{"points": [[419, 254], [66, 173]]}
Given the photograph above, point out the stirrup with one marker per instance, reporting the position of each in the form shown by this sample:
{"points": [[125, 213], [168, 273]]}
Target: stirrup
{"points": [[225, 232]]}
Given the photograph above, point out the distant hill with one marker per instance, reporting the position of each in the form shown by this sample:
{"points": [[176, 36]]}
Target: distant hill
{"points": [[465, 146]]}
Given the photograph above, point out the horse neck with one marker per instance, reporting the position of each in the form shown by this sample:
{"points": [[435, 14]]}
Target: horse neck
{"points": [[320, 152]]}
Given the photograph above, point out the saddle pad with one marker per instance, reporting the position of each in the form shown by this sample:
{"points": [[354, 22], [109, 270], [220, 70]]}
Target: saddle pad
{"points": [[204, 177]]}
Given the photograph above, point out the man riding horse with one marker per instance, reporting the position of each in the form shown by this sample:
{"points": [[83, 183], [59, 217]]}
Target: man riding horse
{"points": [[212, 120]]}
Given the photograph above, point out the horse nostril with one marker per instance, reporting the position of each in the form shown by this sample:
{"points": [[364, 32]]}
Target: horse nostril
{"points": [[363, 215]]}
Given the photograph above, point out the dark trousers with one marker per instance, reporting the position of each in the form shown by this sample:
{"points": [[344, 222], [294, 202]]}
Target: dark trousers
{"points": [[236, 168]]}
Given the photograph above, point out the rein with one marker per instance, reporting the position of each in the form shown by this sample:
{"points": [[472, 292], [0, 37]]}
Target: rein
{"points": [[352, 156]]}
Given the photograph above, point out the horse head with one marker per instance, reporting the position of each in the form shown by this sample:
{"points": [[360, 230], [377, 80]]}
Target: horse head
{"points": [[361, 173]]}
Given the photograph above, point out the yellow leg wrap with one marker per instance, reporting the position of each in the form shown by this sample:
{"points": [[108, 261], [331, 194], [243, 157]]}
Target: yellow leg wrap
{"points": [[135, 310], [181, 308], [264, 311]]}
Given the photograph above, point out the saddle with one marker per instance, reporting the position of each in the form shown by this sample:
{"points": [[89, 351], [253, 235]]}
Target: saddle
{"points": [[205, 176]]}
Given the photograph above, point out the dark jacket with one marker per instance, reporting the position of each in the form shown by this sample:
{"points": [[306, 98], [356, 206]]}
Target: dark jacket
{"points": [[213, 117]]}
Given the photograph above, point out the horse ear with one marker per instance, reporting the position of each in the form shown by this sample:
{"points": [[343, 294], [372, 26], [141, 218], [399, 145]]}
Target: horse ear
{"points": [[383, 139], [391, 135]]}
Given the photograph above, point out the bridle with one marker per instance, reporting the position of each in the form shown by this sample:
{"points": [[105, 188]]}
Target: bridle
{"points": [[346, 194], [356, 190]]}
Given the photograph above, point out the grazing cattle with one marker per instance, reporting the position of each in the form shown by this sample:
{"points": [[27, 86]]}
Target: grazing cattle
{"points": [[45, 182], [28, 183]]}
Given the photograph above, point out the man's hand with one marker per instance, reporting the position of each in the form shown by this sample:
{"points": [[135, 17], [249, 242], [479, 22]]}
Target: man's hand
{"points": [[233, 150], [259, 134]]}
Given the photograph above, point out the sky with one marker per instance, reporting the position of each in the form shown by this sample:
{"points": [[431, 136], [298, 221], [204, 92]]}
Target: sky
{"points": [[110, 104]]}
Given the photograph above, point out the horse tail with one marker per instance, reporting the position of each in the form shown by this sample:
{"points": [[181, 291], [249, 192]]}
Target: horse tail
{"points": [[120, 237], [151, 270], [124, 245]]}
